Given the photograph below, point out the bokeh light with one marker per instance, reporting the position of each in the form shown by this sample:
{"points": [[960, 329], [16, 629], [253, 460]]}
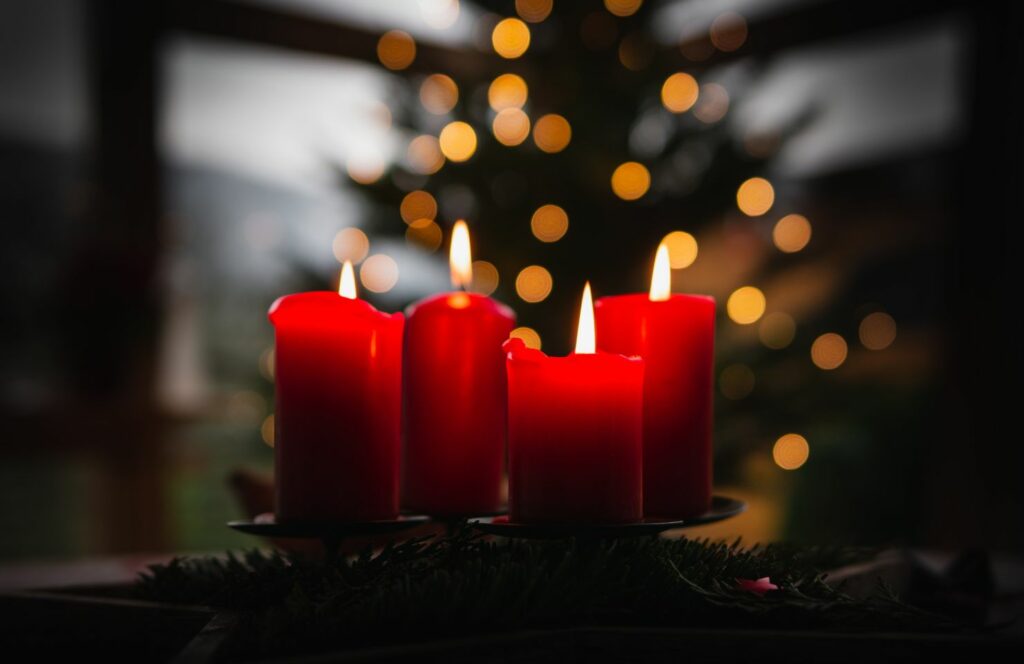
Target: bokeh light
{"points": [[528, 335], [631, 180], [507, 91], [791, 451], [828, 351], [396, 50], [510, 38], [712, 104], [679, 92], [350, 244], [636, 51], [736, 381], [485, 278], [728, 32], [425, 234], [746, 305], [549, 223], [267, 430], [365, 169], [623, 7], [458, 141], [533, 11], [552, 133], [777, 330], [877, 331], [792, 233], [424, 155], [511, 126], [439, 14], [418, 205], [533, 283], [682, 249], [267, 363], [439, 94], [379, 273], [755, 197]]}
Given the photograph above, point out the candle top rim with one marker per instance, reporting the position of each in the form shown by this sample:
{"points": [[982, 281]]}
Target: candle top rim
{"points": [[516, 350], [325, 301], [645, 297], [473, 301]]}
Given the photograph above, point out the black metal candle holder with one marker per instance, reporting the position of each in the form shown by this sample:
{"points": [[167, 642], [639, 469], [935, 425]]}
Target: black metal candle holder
{"points": [[331, 533], [722, 507]]}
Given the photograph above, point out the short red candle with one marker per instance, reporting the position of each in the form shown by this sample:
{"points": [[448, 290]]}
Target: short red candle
{"points": [[575, 450], [338, 371], [455, 403], [676, 339]]}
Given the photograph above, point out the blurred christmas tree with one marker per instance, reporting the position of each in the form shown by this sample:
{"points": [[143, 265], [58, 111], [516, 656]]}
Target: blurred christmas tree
{"points": [[573, 143]]}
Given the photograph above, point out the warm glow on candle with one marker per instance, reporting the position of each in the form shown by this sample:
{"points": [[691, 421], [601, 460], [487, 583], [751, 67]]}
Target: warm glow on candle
{"points": [[586, 343], [347, 285], [661, 278], [460, 259]]}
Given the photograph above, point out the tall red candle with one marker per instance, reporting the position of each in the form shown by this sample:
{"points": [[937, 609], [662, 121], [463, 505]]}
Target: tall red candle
{"points": [[575, 451], [455, 397], [338, 372], [675, 336]]}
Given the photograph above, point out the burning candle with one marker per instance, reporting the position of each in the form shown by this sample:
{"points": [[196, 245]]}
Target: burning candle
{"points": [[454, 396], [675, 336], [338, 372], [575, 423]]}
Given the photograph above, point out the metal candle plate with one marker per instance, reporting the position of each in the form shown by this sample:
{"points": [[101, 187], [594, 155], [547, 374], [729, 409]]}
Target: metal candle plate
{"points": [[722, 507]]}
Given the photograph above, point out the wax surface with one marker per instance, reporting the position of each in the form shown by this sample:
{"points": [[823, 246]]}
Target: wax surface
{"points": [[455, 404], [575, 451], [338, 369], [676, 339]]}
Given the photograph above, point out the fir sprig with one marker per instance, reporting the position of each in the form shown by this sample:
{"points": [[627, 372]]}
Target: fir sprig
{"points": [[431, 587]]}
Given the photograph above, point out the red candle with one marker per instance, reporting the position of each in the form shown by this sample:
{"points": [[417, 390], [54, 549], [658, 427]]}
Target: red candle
{"points": [[454, 397], [575, 450], [675, 336], [338, 372]]}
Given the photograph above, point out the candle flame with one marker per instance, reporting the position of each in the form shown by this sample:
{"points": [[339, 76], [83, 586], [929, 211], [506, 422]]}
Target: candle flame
{"points": [[460, 259], [586, 342], [661, 278], [347, 283]]}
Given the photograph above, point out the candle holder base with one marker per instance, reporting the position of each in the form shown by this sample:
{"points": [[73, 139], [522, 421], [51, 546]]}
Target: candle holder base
{"points": [[331, 533], [722, 507]]}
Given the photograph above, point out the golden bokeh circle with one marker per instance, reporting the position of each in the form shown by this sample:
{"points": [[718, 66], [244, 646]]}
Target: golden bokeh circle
{"points": [[877, 331], [829, 351], [485, 278], [425, 234], [777, 330], [396, 49], [549, 223], [623, 7], [746, 305], [510, 38], [679, 92], [424, 155], [350, 244], [533, 283], [379, 273], [458, 141], [728, 31], [511, 126], [439, 94], [791, 451], [507, 91], [528, 335], [631, 180], [418, 204], [755, 197], [682, 249], [533, 11], [552, 133], [791, 233]]}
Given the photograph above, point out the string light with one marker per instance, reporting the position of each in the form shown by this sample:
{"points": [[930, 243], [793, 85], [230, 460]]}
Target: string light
{"points": [[396, 50], [877, 331], [552, 133], [533, 11], [379, 273], [457, 141], [533, 284], [755, 197], [829, 351], [791, 451], [682, 249], [528, 335], [631, 180], [507, 91], [510, 38], [350, 244], [792, 233], [439, 94], [746, 305], [679, 92], [511, 126], [623, 8], [549, 223]]}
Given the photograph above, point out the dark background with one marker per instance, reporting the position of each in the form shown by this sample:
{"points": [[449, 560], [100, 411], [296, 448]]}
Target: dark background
{"points": [[168, 169]]}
